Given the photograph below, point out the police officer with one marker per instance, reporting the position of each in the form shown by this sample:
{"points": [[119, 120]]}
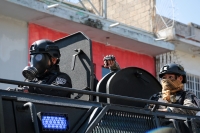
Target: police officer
{"points": [[173, 78], [44, 69], [111, 63]]}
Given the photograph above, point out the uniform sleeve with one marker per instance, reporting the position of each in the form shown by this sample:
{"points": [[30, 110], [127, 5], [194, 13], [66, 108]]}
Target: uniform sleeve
{"points": [[154, 97], [115, 67], [30, 89], [62, 80], [188, 101]]}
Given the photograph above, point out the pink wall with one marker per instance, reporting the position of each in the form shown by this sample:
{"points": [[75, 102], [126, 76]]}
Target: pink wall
{"points": [[124, 58]]}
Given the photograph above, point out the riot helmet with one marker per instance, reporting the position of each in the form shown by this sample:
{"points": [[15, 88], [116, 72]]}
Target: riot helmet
{"points": [[45, 47], [173, 68], [109, 57], [41, 52]]}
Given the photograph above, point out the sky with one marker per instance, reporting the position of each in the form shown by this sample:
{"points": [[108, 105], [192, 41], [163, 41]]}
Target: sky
{"points": [[186, 11]]}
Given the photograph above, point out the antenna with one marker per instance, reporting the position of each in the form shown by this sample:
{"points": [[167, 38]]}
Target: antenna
{"points": [[165, 14]]}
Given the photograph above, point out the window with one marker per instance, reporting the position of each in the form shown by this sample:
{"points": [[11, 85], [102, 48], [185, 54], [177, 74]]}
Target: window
{"points": [[193, 81], [193, 84], [105, 71]]}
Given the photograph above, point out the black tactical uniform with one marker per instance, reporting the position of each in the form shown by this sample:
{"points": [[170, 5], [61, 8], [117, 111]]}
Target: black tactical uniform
{"points": [[44, 71], [54, 77]]}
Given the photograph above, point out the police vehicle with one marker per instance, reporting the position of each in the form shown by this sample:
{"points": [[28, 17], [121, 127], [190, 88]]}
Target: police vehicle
{"points": [[115, 105]]}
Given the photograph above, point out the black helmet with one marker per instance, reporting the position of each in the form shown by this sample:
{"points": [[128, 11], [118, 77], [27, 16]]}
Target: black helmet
{"points": [[109, 57], [46, 47], [173, 68], [41, 51]]}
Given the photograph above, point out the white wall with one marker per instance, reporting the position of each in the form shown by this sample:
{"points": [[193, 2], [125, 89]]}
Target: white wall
{"points": [[13, 49], [191, 63]]}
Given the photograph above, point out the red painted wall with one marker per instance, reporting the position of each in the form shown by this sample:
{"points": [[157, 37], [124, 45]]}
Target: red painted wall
{"points": [[37, 32], [124, 58]]}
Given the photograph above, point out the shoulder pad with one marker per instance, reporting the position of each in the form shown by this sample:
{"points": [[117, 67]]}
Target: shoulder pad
{"points": [[189, 93]]}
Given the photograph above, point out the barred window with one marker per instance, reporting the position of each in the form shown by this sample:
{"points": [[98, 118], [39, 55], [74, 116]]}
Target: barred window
{"points": [[193, 81], [193, 84]]}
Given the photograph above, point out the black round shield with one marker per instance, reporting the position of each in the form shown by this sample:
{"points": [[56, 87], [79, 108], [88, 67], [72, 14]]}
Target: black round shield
{"points": [[101, 87], [132, 82]]}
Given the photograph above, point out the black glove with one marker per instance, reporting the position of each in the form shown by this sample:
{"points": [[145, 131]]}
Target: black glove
{"points": [[11, 89], [20, 89], [25, 89]]}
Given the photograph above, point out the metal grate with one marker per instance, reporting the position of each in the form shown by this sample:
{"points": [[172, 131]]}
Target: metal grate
{"points": [[126, 122], [196, 126]]}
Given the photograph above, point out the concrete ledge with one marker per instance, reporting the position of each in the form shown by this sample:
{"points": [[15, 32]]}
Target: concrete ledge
{"points": [[70, 20]]}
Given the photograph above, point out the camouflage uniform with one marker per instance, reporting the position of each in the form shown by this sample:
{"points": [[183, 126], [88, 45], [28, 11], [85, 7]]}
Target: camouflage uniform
{"points": [[185, 98], [173, 79], [115, 67]]}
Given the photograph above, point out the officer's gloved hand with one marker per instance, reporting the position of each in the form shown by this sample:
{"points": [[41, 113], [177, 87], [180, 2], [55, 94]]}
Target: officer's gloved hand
{"points": [[25, 89], [20, 89], [111, 63], [11, 89]]}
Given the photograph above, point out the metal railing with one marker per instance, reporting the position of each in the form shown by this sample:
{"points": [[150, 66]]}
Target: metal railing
{"points": [[114, 118], [105, 95]]}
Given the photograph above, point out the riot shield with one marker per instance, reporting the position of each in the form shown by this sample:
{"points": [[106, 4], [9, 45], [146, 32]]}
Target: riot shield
{"points": [[132, 82], [76, 60]]}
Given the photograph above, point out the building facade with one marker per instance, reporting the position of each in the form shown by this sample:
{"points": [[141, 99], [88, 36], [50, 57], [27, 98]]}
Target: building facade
{"points": [[33, 20], [146, 15], [186, 38]]}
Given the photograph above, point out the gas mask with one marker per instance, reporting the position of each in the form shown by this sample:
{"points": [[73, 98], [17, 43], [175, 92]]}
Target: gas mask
{"points": [[169, 89], [39, 64]]}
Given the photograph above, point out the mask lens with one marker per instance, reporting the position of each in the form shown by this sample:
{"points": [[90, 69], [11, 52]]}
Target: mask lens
{"points": [[38, 57]]}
